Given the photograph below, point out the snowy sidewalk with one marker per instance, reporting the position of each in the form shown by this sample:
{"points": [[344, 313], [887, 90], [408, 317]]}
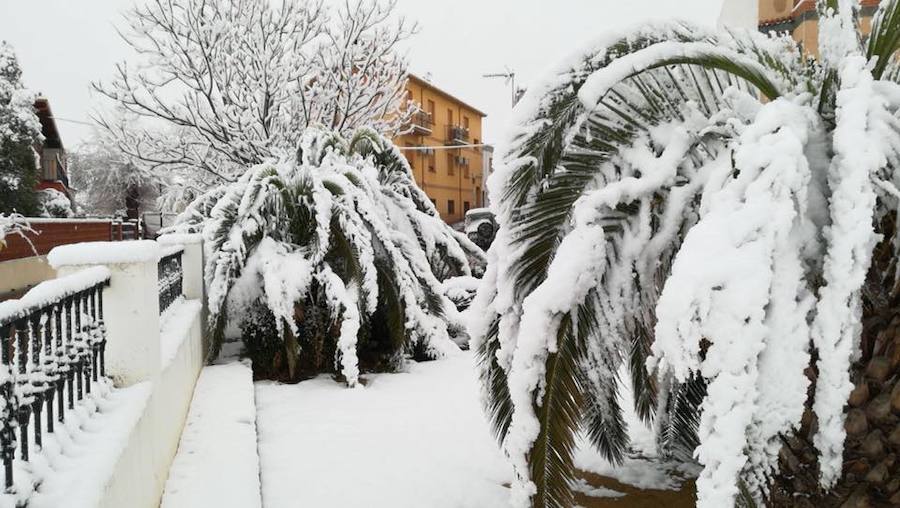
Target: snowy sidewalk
{"points": [[217, 463]]}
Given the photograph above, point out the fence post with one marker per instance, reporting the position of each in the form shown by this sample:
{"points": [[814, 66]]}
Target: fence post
{"points": [[130, 304]]}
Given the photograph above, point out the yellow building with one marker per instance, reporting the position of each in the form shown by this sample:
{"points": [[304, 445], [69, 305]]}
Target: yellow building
{"points": [[450, 176], [800, 19]]}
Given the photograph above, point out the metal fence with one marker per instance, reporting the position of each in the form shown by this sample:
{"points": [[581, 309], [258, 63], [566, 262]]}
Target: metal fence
{"points": [[171, 275], [52, 354]]}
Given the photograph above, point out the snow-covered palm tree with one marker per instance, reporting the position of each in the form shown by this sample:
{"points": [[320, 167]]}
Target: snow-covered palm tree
{"points": [[698, 211], [342, 235]]}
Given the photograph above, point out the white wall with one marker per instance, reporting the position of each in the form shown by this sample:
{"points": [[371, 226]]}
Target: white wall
{"points": [[21, 273], [134, 354]]}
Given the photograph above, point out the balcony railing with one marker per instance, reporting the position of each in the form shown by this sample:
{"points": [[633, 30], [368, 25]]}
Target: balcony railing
{"points": [[421, 122], [171, 276], [53, 343], [457, 135]]}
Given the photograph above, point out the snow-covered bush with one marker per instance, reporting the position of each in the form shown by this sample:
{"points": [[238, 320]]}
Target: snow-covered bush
{"points": [[338, 254], [701, 204], [55, 204]]}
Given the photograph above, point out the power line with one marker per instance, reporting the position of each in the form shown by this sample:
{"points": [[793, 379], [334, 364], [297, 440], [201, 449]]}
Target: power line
{"points": [[438, 147], [71, 121]]}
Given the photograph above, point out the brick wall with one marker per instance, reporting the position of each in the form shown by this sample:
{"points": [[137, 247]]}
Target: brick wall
{"points": [[52, 233]]}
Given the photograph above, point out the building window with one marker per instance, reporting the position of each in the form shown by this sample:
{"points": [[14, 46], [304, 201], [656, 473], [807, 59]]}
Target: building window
{"points": [[466, 122], [449, 117], [466, 172], [451, 207], [478, 197], [451, 170], [431, 108], [465, 206]]}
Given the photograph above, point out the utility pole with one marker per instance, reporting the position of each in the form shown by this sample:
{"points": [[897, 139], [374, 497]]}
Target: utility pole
{"points": [[510, 77]]}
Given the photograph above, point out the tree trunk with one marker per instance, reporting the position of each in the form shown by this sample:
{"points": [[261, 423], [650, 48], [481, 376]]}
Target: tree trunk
{"points": [[871, 476]]}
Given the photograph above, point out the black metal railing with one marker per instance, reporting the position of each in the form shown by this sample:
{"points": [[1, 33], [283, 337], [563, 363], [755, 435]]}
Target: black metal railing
{"points": [[457, 135], [52, 354], [422, 122], [170, 277]]}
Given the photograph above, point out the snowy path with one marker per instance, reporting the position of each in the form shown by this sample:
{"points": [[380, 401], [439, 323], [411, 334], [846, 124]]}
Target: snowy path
{"points": [[405, 440], [217, 464]]}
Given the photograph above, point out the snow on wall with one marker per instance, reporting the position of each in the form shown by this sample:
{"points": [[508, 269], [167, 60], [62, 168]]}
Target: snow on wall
{"points": [[81, 457], [53, 290], [92, 253]]}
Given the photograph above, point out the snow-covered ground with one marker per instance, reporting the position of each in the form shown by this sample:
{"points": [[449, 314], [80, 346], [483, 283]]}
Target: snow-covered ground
{"points": [[216, 464], [411, 439]]}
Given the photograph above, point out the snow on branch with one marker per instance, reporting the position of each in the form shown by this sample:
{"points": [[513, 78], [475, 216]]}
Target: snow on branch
{"points": [[221, 86]]}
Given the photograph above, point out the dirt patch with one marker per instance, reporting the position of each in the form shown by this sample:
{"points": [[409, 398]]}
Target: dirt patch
{"points": [[634, 497]]}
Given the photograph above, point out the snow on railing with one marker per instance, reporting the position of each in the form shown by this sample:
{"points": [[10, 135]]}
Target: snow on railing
{"points": [[52, 344], [171, 276]]}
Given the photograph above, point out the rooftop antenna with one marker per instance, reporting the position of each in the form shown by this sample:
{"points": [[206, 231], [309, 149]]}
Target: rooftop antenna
{"points": [[510, 78]]}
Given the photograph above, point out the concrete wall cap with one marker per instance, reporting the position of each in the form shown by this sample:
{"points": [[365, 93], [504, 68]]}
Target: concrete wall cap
{"points": [[97, 253]]}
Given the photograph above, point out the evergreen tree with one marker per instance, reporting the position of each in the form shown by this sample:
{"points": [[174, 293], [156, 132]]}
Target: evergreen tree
{"points": [[19, 129]]}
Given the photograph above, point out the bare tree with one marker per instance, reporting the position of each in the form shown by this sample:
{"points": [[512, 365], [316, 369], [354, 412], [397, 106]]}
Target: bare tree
{"points": [[109, 183], [223, 84]]}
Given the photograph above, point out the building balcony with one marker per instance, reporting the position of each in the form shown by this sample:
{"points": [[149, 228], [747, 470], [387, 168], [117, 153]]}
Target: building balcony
{"points": [[457, 135], [421, 122]]}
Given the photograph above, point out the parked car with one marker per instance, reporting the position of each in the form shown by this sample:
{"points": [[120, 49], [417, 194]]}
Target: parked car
{"points": [[481, 227]]}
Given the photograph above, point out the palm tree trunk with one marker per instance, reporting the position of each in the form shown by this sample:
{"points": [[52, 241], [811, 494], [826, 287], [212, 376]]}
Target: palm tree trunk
{"points": [[871, 476]]}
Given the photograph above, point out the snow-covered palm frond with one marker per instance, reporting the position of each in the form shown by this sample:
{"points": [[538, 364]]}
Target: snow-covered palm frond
{"points": [[13, 224], [670, 198], [337, 226], [603, 180]]}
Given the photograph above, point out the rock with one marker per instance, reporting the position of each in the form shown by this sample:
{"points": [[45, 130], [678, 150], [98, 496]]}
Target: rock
{"points": [[879, 409], [878, 474], [859, 395], [873, 445], [856, 424], [879, 369]]}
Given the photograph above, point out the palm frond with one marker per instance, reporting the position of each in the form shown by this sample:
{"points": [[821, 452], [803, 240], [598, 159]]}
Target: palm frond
{"points": [[884, 38], [559, 414]]}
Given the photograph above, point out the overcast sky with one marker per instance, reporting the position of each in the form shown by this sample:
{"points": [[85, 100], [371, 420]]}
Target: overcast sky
{"points": [[63, 45]]}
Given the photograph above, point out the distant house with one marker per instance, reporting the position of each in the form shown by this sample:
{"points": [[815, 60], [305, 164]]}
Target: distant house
{"points": [[51, 159]]}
